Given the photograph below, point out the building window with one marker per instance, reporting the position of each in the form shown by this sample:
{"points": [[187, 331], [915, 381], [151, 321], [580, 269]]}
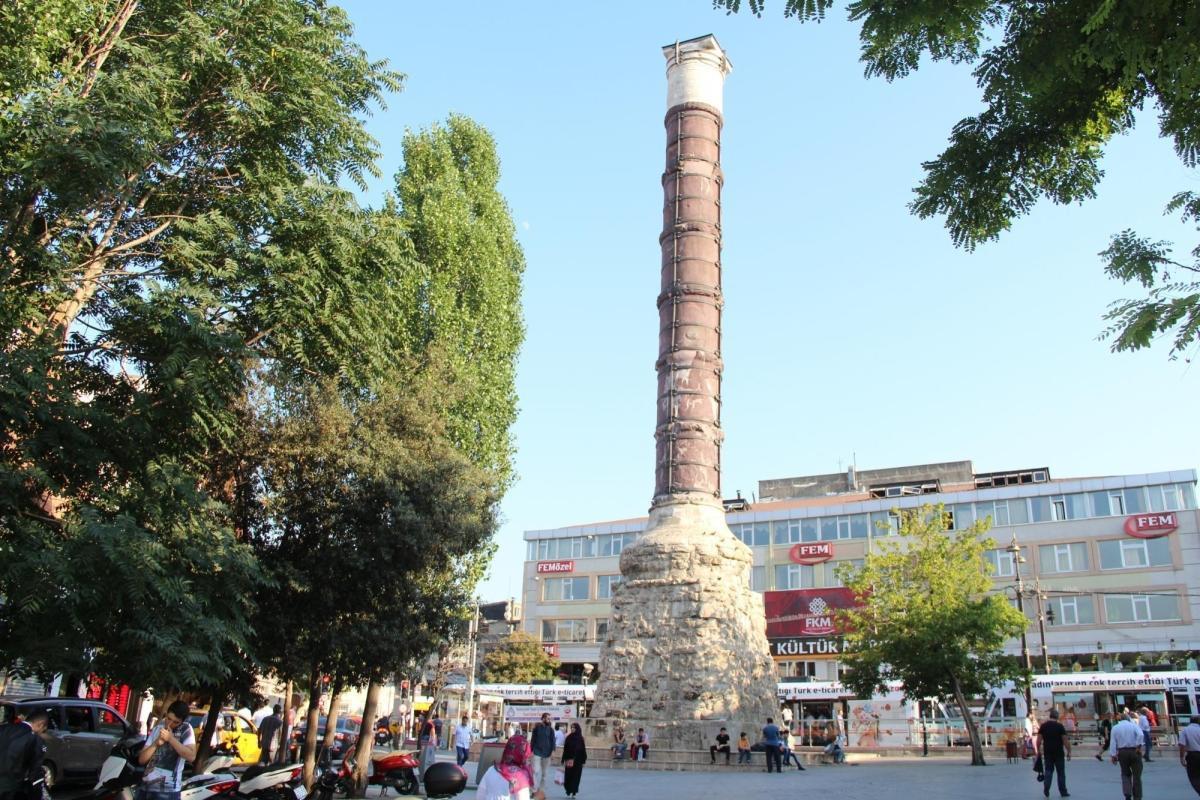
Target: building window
{"points": [[1001, 562], [830, 569], [605, 584], [564, 589], [1165, 498], [964, 516], [753, 534], [1135, 500], [1130, 553], [1141, 607], [810, 530], [787, 531], [613, 544], [859, 525], [1063, 557], [1077, 610], [797, 669], [564, 630], [758, 579], [601, 630], [829, 529], [793, 576]]}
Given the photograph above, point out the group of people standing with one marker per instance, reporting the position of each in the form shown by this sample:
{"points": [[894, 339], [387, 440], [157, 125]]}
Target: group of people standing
{"points": [[521, 772], [1127, 743]]}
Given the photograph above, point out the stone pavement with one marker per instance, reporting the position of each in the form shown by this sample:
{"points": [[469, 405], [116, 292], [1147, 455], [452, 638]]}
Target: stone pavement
{"points": [[882, 779]]}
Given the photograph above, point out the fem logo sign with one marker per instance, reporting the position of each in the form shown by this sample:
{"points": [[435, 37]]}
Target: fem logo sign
{"points": [[1151, 526], [812, 553]]}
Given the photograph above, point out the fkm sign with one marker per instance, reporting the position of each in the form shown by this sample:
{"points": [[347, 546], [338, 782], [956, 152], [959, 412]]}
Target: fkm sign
{"points": [[813, 553], [1151, 526], [553, 567]]}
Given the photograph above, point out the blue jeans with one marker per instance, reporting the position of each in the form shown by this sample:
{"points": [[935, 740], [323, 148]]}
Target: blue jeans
{"points": [[1147, 740], [743, 756], [463, 754]]}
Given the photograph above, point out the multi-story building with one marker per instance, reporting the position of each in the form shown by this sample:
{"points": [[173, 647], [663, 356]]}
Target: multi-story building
{"points": [[1108, 561]]}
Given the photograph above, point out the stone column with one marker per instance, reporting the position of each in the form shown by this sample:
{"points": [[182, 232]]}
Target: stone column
{"points": [[687, 648]]}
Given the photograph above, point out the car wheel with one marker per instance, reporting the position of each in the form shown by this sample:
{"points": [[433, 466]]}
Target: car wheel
{"points": [[49, 774]]}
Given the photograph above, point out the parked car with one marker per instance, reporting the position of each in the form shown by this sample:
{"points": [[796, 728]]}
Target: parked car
{"points": [[345, 736], [79, 737], [235, 729]]}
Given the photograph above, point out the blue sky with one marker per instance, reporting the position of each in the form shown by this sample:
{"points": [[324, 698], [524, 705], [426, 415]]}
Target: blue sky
{"points": [[852, 330]]}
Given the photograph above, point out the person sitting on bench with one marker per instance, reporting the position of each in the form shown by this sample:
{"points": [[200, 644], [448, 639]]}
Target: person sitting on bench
{"points": [[619, 748], [722, 746]]}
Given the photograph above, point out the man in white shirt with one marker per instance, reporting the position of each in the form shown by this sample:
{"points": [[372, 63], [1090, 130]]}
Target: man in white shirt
{"points": [[260, 715], [1143, 721], [462, 740], [1125, 749], [1189, 752], [560, 737]]}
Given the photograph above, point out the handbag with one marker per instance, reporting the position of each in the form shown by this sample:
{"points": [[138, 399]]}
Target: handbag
{"points": [[1039, 768]]}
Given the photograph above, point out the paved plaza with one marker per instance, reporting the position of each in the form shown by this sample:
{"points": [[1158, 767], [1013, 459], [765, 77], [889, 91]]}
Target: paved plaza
{"points": [[882, 779]]}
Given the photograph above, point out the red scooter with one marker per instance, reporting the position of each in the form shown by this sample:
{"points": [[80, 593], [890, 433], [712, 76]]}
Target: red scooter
{"points": [[398, 770]]}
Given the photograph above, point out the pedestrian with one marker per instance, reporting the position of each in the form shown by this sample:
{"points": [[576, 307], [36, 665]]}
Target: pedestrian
{"points": [[1030, 742], [722, 746], [770, 734], [462, 740], [560, 736], [574, 756], [260, 714], [1055, 746], [1189, 752], [21, 753], [619, 747], [437, 729], [268, 736], [427, 743], [641, 745], [743, 749], [1126, 750], [785, 715], [1143, 722], [789, 754], [510, 778], [1105, 731], [542, 740], [170, 745]]}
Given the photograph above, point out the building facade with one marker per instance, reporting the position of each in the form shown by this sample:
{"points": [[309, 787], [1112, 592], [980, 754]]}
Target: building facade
{"points": [[1104, 564]]}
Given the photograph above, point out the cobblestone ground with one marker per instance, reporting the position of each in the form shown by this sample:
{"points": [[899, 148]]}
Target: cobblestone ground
{"points": [[883, 779]]}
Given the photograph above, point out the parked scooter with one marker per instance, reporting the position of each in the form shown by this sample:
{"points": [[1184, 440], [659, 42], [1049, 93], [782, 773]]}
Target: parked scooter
{"points": [[121, 773], [398, 770]]}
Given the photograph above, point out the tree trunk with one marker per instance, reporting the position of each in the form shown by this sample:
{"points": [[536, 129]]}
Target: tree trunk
{"points": [[366, 740], [969, 724], [335, 699], [210, 725], [314, 718], [285, 730]]}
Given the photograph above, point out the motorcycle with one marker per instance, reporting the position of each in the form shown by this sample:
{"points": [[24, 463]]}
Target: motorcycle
{"points": [[121, 773], [398, 770]]}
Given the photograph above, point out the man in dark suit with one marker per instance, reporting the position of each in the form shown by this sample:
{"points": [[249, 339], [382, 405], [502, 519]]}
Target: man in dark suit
{"points": [[21, 753]]}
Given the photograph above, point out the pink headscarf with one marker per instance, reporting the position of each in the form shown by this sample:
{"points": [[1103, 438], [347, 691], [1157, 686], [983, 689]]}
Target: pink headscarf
{"points": [[514, 764]]}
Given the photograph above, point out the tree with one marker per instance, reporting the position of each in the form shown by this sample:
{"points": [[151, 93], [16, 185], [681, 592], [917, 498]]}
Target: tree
{"points": [[1059, 80], [928, 617], [170, 218], [518, 659]]}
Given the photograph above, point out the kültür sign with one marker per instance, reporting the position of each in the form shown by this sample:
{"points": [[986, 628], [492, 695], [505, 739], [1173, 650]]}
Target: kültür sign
{"points": [[1151, 526]]}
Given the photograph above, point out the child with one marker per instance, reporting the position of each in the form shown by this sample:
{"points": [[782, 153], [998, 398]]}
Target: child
{"points": [[743, 749]]}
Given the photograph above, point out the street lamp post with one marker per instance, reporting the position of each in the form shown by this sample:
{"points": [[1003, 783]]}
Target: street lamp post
{"points": [[1015, 549], [1042, 616]]}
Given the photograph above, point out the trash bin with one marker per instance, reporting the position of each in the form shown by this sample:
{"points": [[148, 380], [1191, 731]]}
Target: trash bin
{"points": [[1010, 750], [488, 754]]}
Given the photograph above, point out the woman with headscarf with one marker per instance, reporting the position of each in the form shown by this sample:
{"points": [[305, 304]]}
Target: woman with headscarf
{"points": [[511, 778], [573, 758]]}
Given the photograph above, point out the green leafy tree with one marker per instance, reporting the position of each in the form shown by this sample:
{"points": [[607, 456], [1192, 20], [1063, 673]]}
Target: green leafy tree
{"points": [[518, 659], [928, 617], [1059, 80], [170, 221]]}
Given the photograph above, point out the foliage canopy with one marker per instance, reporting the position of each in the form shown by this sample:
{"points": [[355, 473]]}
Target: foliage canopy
{"points": [[929, 617], [518, 659], [1059, 79]]}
